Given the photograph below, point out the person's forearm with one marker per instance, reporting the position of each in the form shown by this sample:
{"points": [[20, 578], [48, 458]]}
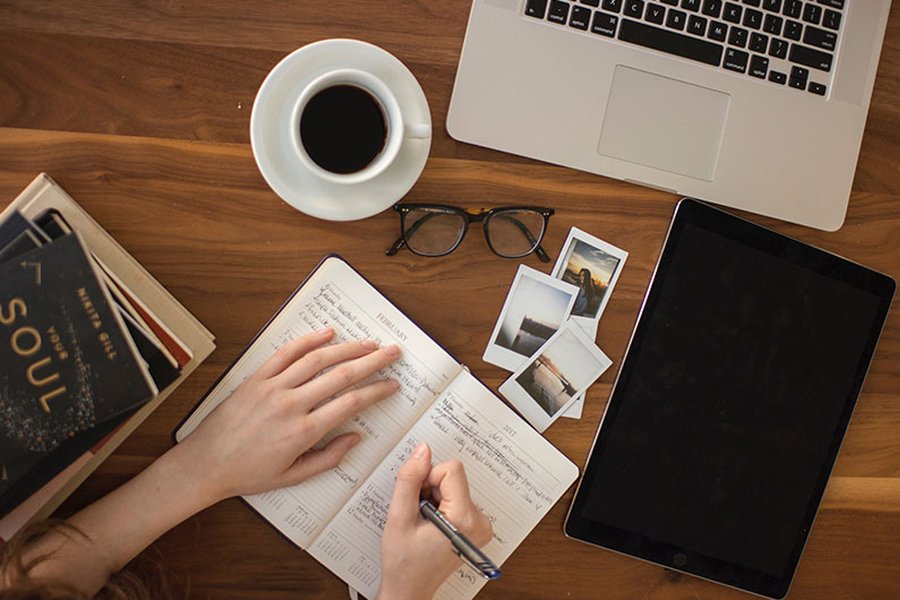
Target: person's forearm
{"points": [[123, 523]]}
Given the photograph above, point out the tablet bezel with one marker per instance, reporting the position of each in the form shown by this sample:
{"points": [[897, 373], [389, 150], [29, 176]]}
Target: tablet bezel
{"points": [[690, 211]]}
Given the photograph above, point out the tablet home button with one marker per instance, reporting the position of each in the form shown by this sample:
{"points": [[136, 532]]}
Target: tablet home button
{"points": [[679, 560]]}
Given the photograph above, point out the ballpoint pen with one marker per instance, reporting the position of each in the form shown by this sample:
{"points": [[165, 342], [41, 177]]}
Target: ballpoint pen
{"points": [[465, 548]]}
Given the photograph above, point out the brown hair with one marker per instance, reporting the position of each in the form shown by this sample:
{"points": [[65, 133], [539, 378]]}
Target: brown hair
{"points": [[143, 579]]}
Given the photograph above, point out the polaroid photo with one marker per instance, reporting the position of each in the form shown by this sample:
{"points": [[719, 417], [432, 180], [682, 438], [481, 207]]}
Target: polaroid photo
{"points": [[560, 371], [535, 308], [593, 266]]}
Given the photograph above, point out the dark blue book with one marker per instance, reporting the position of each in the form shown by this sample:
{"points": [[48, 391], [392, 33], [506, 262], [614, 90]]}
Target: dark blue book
{"points": [[68, 364]]}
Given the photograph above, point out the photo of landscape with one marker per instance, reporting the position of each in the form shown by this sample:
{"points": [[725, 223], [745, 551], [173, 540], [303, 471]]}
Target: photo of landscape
{"points": [[535, 313], [555, 376]]}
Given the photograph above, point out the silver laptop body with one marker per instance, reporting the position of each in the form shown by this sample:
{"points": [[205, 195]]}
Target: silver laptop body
{"points": [[603, 91]]}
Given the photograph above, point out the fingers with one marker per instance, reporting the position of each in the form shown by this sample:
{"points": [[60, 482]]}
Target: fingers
{"points": [[318, 461], [450, 483], [331, 414], [404, 508], [307, 367], [292, 351], [358, 362]]}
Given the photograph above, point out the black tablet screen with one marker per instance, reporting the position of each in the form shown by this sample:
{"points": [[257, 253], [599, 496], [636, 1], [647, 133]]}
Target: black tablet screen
{"points": [[737, 387]]}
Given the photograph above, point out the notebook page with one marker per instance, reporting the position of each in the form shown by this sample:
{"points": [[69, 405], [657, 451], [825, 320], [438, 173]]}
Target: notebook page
{"points": [[515, 476], [335, 295]]}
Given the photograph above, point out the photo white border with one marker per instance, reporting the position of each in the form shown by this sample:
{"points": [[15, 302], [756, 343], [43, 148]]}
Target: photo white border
{"points": [[522, 400], [505, 358]]}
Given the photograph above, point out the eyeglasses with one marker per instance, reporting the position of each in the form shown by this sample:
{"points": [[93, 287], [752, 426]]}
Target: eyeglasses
{"points": [[438, 230]]}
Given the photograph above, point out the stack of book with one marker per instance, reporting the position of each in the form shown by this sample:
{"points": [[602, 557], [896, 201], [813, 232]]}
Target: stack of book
{"points": [[90, 345]]}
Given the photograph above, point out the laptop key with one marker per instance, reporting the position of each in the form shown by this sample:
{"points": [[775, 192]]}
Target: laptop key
{"points": [[712, 8], [696, 25], [676, 19], [634, 8], [691, 5], [759, 66], [752, 2], [813, 36], [753, 18], [793, 8], [759, 42], [536, 8], [594, 3], [656, 13], [793, 30], [832, 20], [604, 24], [812, 13], [580, 18], [817, 88], [732, 12], [718, 31], [612, 5], [778, 48], [559, 11], [810, 57], [736, 60], [668, 41], [773, 24], [738, 37], [833, 3], [670, 2], [772, 5], [777, 77]]}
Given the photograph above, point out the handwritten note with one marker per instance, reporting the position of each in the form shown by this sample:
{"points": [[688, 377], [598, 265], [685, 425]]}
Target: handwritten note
{"points": [[514, 474], [335, 296]]}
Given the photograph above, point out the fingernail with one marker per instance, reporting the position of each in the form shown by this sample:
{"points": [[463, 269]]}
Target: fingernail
{"points": [[392, 350], [419, 452], [369, 344], [354, 440], [394, 384], [326, 331]]}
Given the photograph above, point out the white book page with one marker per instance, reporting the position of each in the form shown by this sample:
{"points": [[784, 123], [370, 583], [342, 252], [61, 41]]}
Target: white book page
{"points": [[515, 476], [335, 295]]}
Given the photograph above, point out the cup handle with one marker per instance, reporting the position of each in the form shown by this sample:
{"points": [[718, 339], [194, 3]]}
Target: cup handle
{"points": [[418, 130]]}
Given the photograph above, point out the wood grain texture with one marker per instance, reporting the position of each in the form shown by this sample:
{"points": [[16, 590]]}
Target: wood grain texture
{"points": [[141, 111]]}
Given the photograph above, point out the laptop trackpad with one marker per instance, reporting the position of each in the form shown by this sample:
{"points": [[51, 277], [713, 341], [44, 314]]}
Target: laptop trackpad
{"points": [[664, 123]]}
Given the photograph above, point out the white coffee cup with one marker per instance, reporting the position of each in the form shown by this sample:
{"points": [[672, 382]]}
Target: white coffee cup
{"points": [[396, 128]]}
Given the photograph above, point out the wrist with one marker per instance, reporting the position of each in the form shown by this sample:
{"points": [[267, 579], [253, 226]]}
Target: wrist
{"points": [[183, 470]]}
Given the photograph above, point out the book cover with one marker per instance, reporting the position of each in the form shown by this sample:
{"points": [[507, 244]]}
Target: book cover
{"points": [[67, 363]]}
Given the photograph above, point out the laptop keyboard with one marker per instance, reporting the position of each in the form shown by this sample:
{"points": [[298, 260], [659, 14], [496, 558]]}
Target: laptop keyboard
{"points": [[788, 43]]}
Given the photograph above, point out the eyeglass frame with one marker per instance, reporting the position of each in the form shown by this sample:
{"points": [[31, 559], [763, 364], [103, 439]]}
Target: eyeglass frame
{"points": [[482, 217]]}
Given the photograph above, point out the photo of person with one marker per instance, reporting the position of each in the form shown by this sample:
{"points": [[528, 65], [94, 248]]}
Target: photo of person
{"points": [[592, 270]]}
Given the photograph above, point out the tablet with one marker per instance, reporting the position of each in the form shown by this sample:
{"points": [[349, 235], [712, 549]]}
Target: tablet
{"points": [[729, 408]]}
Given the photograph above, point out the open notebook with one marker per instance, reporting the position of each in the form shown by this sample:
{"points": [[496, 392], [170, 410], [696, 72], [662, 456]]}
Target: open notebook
{"points": [[515, 475]]}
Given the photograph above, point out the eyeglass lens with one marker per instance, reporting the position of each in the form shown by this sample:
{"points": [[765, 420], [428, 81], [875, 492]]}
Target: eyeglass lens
{"points": [[515, 233], [432, 233]]}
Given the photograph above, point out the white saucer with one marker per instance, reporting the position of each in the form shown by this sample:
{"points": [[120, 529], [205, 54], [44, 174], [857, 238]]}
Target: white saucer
{"points": [[270, 132]]}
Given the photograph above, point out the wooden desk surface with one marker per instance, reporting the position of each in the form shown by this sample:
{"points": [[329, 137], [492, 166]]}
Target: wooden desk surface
{"points": [[141, 111]]}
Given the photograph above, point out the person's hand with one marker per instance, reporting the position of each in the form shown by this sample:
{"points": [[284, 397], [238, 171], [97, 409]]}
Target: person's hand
{"points": [[260, 437], [416, 557]]}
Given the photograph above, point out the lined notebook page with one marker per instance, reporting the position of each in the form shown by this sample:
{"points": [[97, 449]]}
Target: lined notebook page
{"points": [[335, 295], [515, 476]]}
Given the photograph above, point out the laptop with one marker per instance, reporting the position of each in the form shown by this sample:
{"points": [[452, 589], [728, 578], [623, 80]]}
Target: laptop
{"points": [[758, 105]]}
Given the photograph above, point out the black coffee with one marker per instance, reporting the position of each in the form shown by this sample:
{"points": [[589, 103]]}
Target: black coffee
{"points": [[342, 129]]}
